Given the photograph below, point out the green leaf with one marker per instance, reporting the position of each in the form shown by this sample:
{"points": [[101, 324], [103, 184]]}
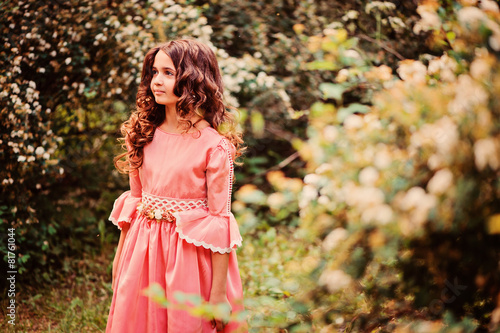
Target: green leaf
{"points": [[257, 121], [319, 108], [321, 65], [352, 108], [332, 90], [51, 229], [451, 36]]}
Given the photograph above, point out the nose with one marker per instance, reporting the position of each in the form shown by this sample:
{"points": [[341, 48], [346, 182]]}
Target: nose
{"points": [[157, 81]]}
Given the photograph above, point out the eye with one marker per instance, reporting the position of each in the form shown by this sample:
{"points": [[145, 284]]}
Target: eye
{"points": [[154, 71], [170, 73]]}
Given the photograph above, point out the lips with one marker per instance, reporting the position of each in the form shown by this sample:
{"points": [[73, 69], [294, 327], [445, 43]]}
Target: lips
{"points": [[158, 92]]}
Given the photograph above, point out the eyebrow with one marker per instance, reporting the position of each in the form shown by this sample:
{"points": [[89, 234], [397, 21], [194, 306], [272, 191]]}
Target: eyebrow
{"points": [[163, 68]]}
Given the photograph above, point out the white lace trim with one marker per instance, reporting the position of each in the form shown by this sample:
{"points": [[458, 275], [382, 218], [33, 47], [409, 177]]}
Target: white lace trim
{"points": [[207, 246], [225, 146], [155, 202], [221, 250]]}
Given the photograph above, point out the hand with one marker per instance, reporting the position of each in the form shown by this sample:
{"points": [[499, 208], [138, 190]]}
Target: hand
{"points": [[220, 298]]}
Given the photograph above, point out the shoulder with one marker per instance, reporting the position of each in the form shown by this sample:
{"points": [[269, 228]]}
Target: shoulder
{"points": [[218, 143]]}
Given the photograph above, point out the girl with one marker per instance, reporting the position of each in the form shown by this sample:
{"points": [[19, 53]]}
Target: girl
{"points": [[176, 224]]}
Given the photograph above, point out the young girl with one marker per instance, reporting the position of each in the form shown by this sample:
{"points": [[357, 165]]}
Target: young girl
{"points": [[176, 224]]}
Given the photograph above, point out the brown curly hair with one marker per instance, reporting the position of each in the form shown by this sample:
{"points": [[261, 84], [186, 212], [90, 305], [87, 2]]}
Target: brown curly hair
{"points": [[199, 86]]}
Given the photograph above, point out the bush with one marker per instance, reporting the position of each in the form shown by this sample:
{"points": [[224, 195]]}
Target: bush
{"points": [[405, 194]]}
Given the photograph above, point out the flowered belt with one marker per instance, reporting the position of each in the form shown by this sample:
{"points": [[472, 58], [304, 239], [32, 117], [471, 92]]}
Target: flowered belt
{"points": [[161, 209]]}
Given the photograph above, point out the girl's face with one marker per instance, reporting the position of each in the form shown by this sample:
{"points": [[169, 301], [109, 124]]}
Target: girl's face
{"points": [[163, 81]]}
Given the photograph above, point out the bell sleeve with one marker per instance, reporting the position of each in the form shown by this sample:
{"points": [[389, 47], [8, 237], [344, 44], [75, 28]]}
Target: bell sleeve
{"points": [[124, 208], [214, 227]]}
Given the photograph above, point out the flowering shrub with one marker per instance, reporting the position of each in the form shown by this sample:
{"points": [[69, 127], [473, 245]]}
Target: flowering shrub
{"points": [[406, 197], [68, 82], [395, 194]]}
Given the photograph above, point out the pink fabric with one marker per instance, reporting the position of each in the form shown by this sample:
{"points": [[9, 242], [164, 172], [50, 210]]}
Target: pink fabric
{"points": [[176, 255]]}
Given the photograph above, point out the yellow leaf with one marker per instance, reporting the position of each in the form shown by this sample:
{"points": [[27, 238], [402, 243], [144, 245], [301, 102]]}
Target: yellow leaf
{"points": [[494, 224]]}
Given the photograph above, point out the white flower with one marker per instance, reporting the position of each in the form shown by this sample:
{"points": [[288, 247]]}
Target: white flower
{"points": [[494, 41], [440, 182], [352, 54], [381, 214], [429, 19], [363, 197], [276, 200], [489, 5], [333, 239], [468, 93], [353, 121], [418, 203], [397, 23], [487, 152], [325, 167], [412, 198], [312, 179], [39, 150], [21, 158], [471, 17], [308, 194], [368, 176], [382, 157], [350, 15], [435, 162], [158, 214], [323, 200], [412, 71], [383, 6], [342, 75], [443, 134], [334, 280], [479, 68], [445, 66]]}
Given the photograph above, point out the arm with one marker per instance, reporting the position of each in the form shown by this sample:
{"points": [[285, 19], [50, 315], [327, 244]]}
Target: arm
{"points": [[219, 186], [220, 263]]}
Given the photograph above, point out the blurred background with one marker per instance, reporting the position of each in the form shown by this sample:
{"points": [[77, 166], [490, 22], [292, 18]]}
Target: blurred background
{"points": [[369, 195]]}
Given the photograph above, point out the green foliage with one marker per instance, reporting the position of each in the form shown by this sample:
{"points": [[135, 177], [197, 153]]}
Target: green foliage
{"points": [[401, 195], [80, 303], [370, 187]]}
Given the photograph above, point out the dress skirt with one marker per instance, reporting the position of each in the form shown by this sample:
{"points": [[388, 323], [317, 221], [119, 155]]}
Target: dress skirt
{"points": [[154, 252]]}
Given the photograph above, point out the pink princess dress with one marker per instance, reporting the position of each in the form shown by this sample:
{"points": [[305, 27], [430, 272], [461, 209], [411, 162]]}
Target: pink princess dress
{"points": [[179, 210]]}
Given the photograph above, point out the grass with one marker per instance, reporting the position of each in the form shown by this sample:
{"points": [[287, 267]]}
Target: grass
{"points": [[79, 304]]}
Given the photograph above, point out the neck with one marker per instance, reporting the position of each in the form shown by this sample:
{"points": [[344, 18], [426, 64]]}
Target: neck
{"points": [[171, 122], [171, 117]]}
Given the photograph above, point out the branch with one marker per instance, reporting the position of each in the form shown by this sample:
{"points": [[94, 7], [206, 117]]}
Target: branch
{"points": [[382, 45], [278, 166]]}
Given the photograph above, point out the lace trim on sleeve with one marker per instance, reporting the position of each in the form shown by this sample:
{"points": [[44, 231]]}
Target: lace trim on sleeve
{"points": [[213, 248], [225, 146]]}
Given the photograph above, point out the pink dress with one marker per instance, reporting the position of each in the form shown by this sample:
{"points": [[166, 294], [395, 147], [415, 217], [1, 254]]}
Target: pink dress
{"points": [[190, 176]]}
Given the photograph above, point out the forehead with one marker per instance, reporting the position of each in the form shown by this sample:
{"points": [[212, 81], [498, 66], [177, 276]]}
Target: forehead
{"points": [[162, 60]]}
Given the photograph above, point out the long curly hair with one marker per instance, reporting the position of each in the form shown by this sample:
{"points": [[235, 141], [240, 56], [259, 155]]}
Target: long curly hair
{"points": [[199, 86]]}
